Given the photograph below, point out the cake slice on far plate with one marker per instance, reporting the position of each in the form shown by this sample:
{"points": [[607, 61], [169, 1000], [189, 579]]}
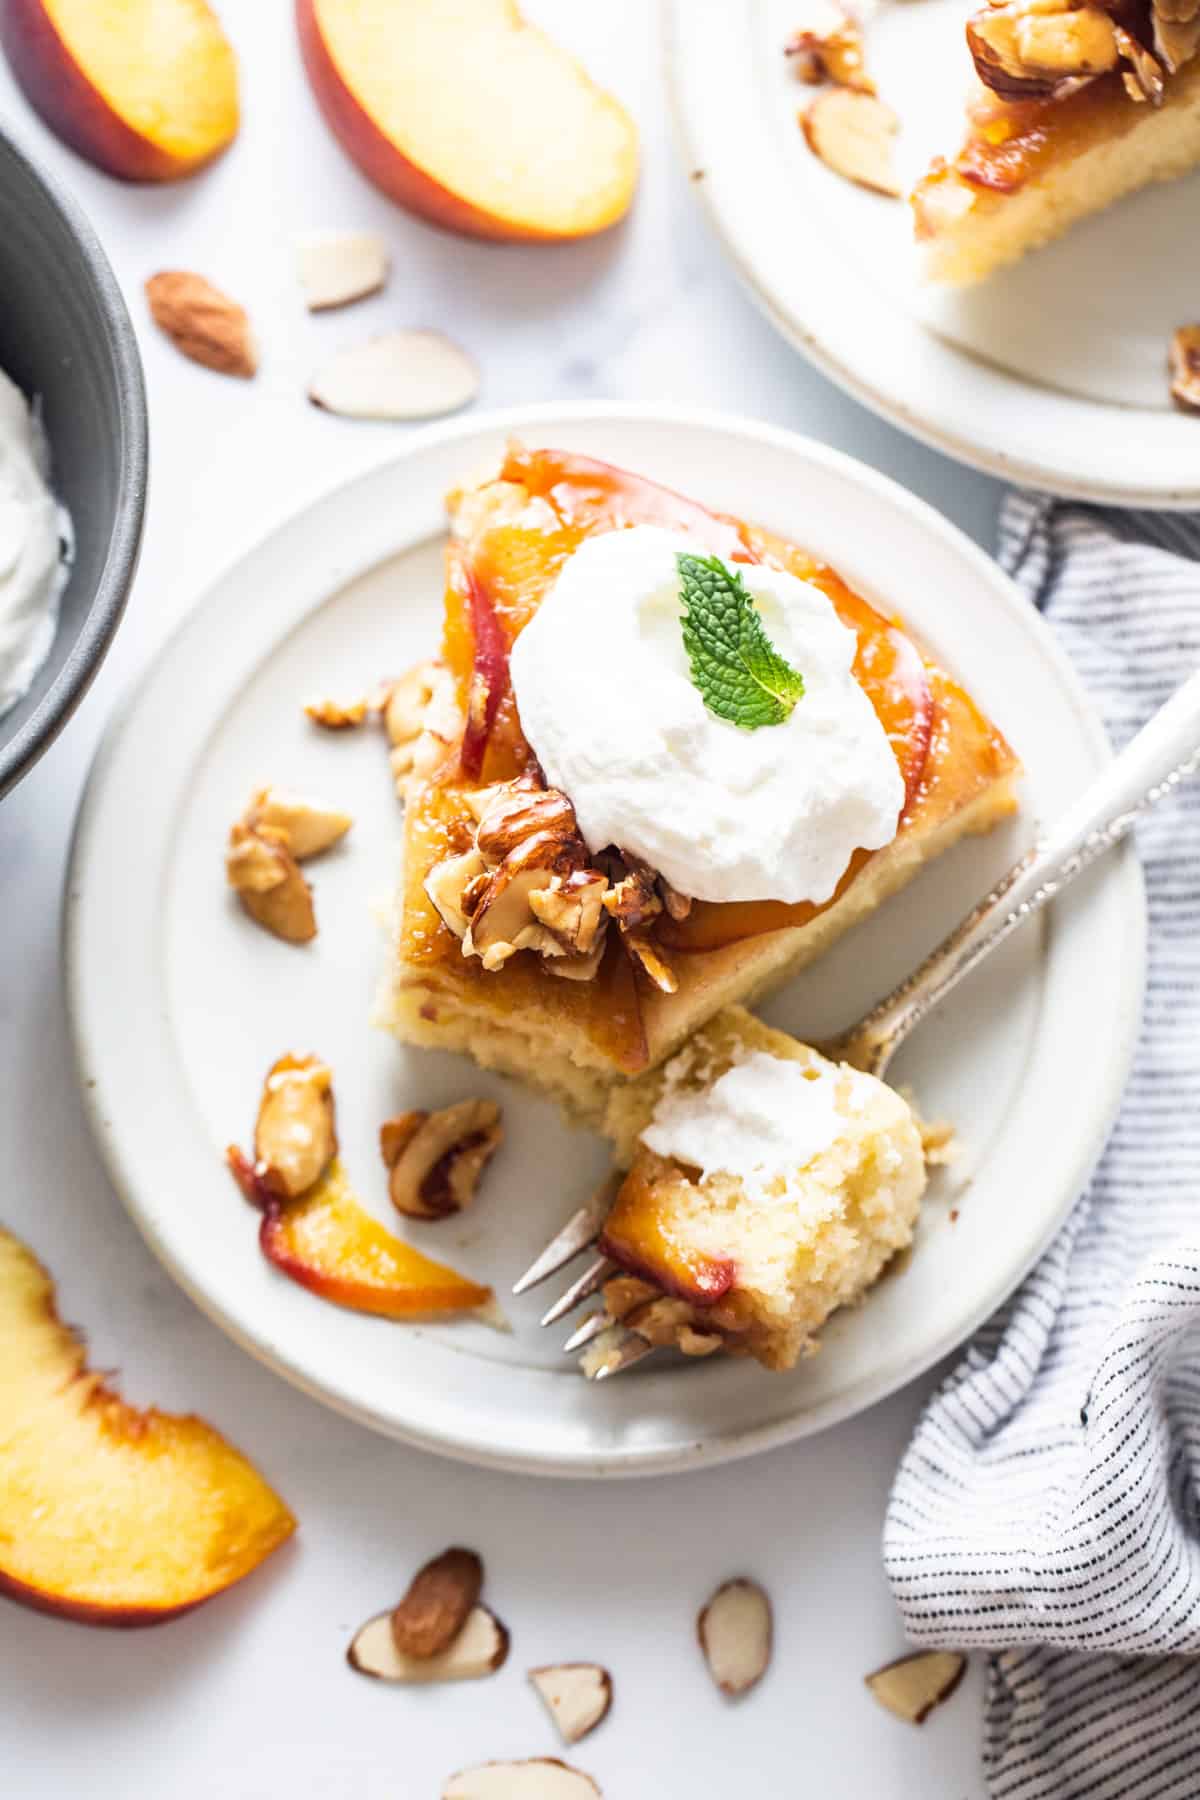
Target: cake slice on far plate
{"points": [[1076, 107], [766, 1187], [601, 851]]}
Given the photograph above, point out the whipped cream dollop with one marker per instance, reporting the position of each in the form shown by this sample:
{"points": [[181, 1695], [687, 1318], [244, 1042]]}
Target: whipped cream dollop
{"points": [[608, 706], [764, 1118], [34, 531]]}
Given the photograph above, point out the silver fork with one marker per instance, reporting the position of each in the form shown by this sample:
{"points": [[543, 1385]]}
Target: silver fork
{"points": [[1165, 751]]}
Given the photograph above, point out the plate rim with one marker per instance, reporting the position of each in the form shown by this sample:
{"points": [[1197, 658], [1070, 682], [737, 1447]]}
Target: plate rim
{"points": [[597, 1460], [805, 336]]}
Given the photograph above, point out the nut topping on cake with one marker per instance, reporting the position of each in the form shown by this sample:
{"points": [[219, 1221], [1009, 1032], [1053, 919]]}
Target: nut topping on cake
{"points": [[634, 900], [1025, 50], [526, 882], [573, 908], [1039, 49], [454, 887], [503, 921]]}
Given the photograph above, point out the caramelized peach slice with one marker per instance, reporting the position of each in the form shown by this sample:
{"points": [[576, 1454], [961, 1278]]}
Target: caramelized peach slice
{"points": [[640, 1235], [145, 89], [328, 1243], [110, 1515]]}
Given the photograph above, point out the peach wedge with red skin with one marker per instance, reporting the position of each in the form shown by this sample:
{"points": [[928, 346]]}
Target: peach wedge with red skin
{"points": [[420, 95], [325, 1241], [146, 90], [110, 1515]]}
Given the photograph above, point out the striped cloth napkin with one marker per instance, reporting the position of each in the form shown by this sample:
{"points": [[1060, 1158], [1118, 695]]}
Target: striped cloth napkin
{"points": [[1048, 1508]]}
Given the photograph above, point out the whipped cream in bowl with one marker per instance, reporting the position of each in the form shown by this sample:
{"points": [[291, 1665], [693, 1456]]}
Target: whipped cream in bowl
{"points": [[35, 548], [608, 705]]}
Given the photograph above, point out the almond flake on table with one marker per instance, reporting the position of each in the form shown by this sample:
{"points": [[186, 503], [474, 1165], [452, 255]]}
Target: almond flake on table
{"points": [[578, 1696], [337, 268], [401, 375], [736, 1632], [480, 1648], [536, 1778]]}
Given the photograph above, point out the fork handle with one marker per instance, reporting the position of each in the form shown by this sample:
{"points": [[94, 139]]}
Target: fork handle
{"points": [[1151, 766]]}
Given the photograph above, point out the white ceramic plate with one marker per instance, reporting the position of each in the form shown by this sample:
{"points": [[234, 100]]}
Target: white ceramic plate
{"points": [[179, 1004], [1053, 373]]}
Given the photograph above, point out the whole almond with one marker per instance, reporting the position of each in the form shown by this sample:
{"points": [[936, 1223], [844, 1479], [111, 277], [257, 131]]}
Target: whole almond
{"points": [[202, 322], [439, 1598]]}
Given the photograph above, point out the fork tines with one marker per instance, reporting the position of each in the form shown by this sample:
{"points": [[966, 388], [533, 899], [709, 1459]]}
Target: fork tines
{"points": [[578, 1234], [609, 1347]]}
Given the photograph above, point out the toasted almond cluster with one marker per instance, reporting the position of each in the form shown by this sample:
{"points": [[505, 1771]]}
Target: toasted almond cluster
{"points": [[275, 834], [434, 1160], [828, 46], [295, 1135], [1037, 49], [526, 882]]}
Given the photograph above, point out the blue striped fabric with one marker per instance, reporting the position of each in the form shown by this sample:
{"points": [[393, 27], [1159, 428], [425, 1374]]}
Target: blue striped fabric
{"points": [[1048, 1508]]}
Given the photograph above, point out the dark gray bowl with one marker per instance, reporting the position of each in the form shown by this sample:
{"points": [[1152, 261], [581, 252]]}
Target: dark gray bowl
{"points": [[65, 336]]}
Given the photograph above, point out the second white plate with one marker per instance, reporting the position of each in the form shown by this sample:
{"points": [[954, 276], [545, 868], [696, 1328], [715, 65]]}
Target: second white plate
{"points": [[179, 1004], [1052, 374]]}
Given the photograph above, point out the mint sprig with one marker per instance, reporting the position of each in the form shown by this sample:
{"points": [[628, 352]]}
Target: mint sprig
{"points": [[738, 670]]}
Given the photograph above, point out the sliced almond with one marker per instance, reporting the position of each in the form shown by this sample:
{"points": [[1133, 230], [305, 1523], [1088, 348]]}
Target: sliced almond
{"points": [[538, 1778], [913, 1685], [480, 1648], [577, 1696], [439, 1597], [854, 134], [308, 826], [402, 375], [266, 877], [295, 1136], [1185, 368], [650, 960], [448, 884], [338, 267], [202, 322], [735, 1631]]}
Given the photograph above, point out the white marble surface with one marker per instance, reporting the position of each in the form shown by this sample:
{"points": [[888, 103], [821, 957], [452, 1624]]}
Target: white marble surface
{"points": [[250, 1697]]}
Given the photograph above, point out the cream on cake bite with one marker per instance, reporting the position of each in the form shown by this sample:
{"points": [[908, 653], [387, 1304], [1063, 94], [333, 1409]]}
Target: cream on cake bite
{"points": [[766, 1187]]}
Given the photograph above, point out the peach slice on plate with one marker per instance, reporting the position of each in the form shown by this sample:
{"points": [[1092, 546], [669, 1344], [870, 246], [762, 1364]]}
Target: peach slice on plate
{"points": [[330, 1244], [110, 1515], [145, 89], [470, 116]]}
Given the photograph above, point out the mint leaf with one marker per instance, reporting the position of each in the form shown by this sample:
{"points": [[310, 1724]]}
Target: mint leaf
{"points": [[738, 670]]}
